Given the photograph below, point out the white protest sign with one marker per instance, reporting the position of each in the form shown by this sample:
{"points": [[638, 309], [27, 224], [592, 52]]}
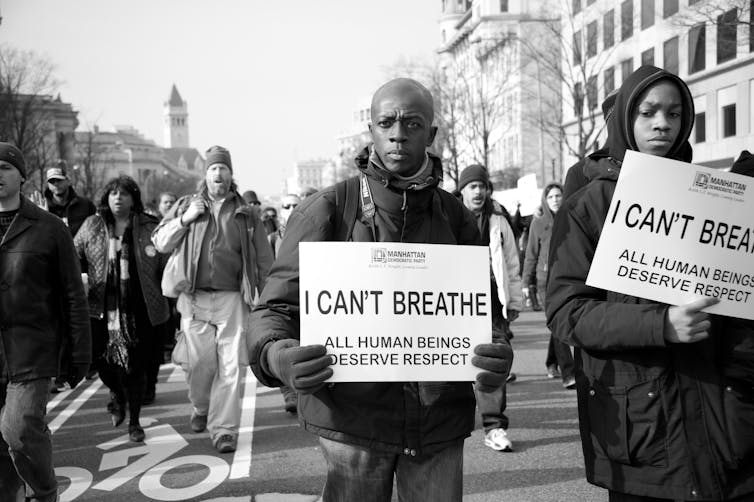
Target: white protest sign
{"points": [[390, 312], [676, 232]]}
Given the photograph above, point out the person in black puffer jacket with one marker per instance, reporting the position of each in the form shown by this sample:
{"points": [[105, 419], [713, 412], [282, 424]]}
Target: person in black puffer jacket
{"points": [[651, 398]]}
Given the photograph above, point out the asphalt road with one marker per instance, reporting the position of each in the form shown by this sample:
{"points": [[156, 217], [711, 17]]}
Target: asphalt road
{"points": [[277, 461]]}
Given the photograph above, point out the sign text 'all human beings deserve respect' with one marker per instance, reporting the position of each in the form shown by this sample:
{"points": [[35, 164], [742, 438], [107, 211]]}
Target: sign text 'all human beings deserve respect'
{"points": [[676, 232], [392, 312]]}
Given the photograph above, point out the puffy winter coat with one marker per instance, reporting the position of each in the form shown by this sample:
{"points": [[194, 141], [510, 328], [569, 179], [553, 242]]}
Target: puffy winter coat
{"points": [[409, 418]]}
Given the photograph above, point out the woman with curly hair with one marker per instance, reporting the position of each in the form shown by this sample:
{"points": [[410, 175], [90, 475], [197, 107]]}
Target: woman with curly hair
{"points": [[126, 305]]}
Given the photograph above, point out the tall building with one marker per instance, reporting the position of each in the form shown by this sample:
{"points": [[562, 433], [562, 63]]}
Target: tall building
{"points": [[708, 43], [508, 114], [175, 121]]}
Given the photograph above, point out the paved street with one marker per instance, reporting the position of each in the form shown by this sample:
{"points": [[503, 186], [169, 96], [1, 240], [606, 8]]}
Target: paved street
{"points": [[277, 461]]}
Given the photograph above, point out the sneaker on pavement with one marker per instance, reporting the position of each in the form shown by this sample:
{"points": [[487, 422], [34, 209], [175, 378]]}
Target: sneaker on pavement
{"points": [[225, 444], [497, 439], [552, 371], [569, 383], [198, 422], [510, 379]]}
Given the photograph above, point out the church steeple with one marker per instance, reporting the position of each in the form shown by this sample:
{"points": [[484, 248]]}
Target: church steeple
{"points": [[175, 117]]}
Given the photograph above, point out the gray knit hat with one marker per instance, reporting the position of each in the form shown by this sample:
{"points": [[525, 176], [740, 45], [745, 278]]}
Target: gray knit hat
{"points": [[12, 155]]}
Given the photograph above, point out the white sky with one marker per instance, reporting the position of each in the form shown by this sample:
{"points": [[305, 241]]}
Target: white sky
{"points": [[274, 81]]}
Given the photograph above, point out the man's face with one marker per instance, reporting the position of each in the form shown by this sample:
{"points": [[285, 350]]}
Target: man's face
{"points": [[401, 129], [218, 178], [288, 204], [475, 195], [166, 202], [554, 198], [657, 118], [58, 186], [10, 181]]}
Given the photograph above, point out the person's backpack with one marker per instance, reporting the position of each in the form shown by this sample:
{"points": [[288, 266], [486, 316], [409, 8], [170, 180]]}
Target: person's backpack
{"points": [[347, 200]]}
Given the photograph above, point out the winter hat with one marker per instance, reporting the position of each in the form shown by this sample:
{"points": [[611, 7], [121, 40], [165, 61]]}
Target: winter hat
{"points": [[250, 196], [12, 155], [217, 155], [474, 172]]}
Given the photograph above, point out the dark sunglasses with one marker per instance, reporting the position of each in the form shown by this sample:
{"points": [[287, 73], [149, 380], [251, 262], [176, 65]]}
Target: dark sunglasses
{"points": [[289, 206]]}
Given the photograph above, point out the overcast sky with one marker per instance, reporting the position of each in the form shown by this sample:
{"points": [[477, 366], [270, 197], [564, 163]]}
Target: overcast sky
{"points": [[274, 81]]}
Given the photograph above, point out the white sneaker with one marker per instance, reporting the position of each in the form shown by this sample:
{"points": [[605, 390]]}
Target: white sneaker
{"points": [[497, 439]]}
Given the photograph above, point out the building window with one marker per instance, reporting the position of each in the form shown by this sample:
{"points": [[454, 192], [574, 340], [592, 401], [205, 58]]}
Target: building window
{"points": [[648, 57], [591, 92], [608, 29], [577, 48], [591, 39], [576, 6], [670, 55], [503, 5], [626, 19], [669, 7], [626, 68], [578, 99], [609, 80], [751, 24], [697, 47], [647, 13], [729, 120], [700, 127], [726, 36]]}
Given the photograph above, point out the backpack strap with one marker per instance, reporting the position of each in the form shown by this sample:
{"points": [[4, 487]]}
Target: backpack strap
{"points": [[346, 206]]}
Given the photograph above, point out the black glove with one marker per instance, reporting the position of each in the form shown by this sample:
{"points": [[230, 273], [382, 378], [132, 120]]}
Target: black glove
{"points": [[76, 372], [303, 369], [495, 359]]}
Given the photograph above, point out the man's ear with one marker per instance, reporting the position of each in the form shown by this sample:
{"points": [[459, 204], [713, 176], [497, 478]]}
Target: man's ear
{"points": [[432, 134]]}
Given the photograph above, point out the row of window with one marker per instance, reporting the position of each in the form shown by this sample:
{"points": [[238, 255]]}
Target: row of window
{"points": [[669, 7], [727, 32]]}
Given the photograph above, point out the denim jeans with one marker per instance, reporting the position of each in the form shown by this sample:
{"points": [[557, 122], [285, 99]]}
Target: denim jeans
{"points": [[492, 404], [357, 473], [25, 445]]}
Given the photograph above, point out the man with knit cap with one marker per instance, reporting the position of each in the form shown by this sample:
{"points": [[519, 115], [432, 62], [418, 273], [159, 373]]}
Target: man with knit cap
{"points": [[44, 331], [230, 257], [373, 434], [505, 285]]}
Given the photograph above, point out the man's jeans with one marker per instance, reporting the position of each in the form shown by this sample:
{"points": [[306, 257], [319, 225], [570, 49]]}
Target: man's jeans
{"points": [[356, 473], [213, 324], [25, 445], [492, 404]]}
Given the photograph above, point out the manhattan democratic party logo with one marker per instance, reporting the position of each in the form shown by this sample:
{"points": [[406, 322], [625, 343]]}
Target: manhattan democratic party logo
{"points": [[384, 256], [379, 255], [718, 185], [701, 180]]}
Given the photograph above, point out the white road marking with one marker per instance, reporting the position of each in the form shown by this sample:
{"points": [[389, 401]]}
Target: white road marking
{"points": [[52, 403], [241, 466], [64, 415]]}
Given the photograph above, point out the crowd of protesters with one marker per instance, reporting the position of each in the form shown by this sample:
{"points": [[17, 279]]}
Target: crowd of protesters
{"points": [[664, 392]]}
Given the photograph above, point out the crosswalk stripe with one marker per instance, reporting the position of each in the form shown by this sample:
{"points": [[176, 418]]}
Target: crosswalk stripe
{"points": [[241, 466], [64, 415]]}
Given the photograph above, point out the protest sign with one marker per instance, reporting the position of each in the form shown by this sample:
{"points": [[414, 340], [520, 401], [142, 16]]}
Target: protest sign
{"points": [[390, 312], [676, 232]]}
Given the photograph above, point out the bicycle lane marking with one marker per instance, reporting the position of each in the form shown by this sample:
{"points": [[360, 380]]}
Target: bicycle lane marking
{"points": [[73, 407], [241, 467]]}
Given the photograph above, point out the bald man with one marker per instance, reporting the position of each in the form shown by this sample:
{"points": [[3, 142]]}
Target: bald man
{"points": [[372, 433]]}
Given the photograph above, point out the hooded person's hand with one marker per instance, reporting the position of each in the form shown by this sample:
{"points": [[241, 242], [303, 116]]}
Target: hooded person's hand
{"points": [[495, 359], [303, 369]]}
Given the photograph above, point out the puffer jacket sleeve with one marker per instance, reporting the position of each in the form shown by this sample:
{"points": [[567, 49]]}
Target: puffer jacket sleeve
{"points": [[276, 316], [170, 232], [510, 256], [581, 315], [79, 243], [74, 300]]}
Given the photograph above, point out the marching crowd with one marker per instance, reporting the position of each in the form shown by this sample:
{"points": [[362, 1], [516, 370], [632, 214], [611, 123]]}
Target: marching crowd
{"points": [[665, 393]]}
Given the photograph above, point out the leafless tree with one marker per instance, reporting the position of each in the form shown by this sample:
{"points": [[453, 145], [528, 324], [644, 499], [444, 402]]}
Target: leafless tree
{"points": [[88, 173], [27, 84], [727, 16]]}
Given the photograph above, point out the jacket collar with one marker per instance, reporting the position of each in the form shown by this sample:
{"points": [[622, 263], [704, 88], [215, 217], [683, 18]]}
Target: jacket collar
{"points": [[431, 177], [28, 212]]}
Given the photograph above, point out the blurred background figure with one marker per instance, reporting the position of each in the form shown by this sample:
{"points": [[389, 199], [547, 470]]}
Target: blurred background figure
{"points": [[559, 361], [307, 192], [167, 199], [126, 306], [270, 220], [250, 197], [288, 203]]}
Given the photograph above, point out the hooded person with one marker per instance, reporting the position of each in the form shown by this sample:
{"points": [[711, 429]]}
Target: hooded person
{"points": [[650, 396]]}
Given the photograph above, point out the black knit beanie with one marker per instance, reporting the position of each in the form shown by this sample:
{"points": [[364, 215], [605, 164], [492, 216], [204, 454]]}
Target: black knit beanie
{"points": [[474, 172], [218, 155], [12, 155]]}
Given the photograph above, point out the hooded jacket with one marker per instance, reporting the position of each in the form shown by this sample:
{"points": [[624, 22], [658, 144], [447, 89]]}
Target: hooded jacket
{"points": [[651, 414], [408, 418], [75, 211]]}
